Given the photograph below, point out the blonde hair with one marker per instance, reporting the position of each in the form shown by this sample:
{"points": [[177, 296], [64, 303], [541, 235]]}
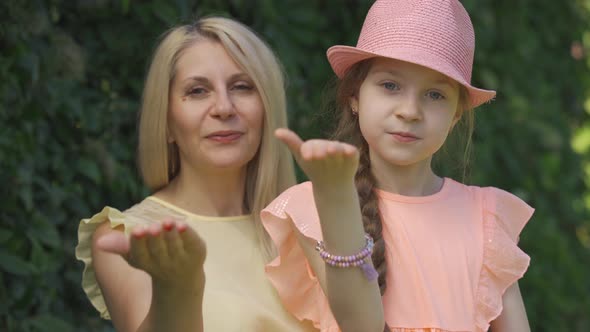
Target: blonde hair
{"points": [[271, 170]]}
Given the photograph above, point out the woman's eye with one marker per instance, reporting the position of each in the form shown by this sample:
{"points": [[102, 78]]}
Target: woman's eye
{"points": [[196, 91], [390, 86], [435, 95], [242, 86]]}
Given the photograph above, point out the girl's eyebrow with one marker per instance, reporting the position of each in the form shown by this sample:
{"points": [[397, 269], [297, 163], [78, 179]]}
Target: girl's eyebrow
{"points": [[389, 71], [444, 81], [441, 81]]}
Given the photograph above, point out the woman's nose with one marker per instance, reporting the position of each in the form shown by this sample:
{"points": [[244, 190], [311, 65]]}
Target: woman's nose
{"points": [[224, 107]]}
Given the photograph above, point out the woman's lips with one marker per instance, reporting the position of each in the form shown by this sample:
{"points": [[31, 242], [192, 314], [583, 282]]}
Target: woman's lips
{"points": [[226, 136]]}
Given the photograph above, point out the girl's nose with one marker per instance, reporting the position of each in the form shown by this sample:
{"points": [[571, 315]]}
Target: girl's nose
{"points": [[410, 109]]}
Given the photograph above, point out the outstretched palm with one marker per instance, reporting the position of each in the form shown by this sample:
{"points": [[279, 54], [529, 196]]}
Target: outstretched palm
{"points": [[325, 162], [170, 252]]}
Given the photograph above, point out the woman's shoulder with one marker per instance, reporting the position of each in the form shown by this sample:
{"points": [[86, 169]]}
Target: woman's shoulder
{"points": [[144, 212], [152, 209]]}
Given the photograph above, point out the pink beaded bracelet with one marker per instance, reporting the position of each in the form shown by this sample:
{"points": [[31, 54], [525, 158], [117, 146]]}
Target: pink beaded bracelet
{"points": [[358, 259]]}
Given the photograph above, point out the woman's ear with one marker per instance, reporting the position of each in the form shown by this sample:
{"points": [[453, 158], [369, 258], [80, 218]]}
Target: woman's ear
{"points": [[169, 138]]}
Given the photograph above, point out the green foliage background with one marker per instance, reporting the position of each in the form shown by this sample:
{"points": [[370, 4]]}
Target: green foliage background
{"points": [[71, 74]]}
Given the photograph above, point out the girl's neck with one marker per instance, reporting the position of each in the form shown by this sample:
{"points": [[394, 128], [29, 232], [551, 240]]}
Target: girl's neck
{"points": [[407, 180], [209, 192]]}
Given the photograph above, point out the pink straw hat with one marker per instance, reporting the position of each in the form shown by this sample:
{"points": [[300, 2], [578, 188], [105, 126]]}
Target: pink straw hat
{"points": [[436, 34]]}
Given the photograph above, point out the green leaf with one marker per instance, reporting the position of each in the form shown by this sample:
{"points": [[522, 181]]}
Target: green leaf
{"points": [[125, 6], [90, 169], [15, 265], [44, 231], [48, 322], [5, 235]]}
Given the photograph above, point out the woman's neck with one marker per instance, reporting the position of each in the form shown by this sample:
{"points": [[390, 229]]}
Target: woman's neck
{"points": [[209, 192], [408, 180]]}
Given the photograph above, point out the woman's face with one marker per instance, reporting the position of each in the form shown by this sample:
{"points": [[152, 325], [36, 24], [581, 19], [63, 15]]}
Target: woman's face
{"points": [[215, 113]]}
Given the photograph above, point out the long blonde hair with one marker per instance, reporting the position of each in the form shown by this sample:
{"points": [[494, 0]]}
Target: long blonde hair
{"points": [[271, 171]]}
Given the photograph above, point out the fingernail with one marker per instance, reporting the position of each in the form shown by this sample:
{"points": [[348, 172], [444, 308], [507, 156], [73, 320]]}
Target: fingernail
{"points": [[168, 226]]}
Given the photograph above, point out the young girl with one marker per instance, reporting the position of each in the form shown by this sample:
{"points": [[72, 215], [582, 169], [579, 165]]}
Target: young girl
{"points": [[444, 255], [212, 99]]}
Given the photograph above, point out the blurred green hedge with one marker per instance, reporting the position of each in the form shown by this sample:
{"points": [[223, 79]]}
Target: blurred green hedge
{"points": [[71, 74]]}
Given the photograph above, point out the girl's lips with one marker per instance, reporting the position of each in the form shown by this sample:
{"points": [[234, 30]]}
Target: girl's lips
{"points": [[225, 136], [404, 137]]}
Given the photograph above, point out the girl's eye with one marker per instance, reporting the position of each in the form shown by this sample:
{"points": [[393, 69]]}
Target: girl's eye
{"points": [[390, 86], [435, 95]]}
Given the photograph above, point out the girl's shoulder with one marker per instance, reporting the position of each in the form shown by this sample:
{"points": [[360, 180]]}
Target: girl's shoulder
{"points": [[491, 198], [501, 210], [296, 198], [498, 202], [296, 203]]}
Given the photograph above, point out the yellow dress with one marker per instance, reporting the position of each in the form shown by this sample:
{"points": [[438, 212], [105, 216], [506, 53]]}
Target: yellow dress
{"points": [[238, 295]]}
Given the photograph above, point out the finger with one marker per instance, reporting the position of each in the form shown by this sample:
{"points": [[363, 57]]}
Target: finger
{"points": [[173, 241], [307, 150], [333, 149], [320, 149], [138, 252], [338, 150], [155, 243], [192, 242], [168, 224], [115, 242], [291, 139], [350, 150]]}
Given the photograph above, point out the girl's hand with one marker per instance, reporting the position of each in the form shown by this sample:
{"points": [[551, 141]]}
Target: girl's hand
{"points": [[324, 162], [171, 252]]}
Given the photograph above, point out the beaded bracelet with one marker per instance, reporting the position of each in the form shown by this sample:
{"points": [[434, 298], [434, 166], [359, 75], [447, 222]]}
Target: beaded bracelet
{"points": [[358, 259]]}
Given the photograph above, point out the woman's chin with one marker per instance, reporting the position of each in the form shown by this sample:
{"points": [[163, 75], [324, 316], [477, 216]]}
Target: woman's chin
{"points": [[228, 163]]}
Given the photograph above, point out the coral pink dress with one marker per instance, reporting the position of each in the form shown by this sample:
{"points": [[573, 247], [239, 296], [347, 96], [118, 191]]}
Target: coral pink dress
{"points": [[451, 256]]}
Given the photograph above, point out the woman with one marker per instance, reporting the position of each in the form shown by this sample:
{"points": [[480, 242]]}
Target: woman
{"points": [[213, 96]]}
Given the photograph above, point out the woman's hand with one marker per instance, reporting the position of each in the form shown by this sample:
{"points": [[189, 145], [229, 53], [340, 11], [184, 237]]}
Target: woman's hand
{"points": [[171, 252], [325, 162]]}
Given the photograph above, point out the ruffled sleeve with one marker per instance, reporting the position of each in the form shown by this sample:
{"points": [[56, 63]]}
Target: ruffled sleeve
{"points": [[504, 217], [289, 272], [84, 253]]}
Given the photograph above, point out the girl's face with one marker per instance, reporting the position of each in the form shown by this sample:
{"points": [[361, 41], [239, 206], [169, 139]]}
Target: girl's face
{"points": [[405, 111], [215, 112]]}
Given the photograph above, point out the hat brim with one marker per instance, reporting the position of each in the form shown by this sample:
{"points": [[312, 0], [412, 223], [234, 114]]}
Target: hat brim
{"points": [[343, 57]]}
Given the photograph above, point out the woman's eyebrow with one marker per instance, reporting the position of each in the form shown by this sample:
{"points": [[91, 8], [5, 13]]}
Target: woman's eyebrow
{"points": [[197, 79]]}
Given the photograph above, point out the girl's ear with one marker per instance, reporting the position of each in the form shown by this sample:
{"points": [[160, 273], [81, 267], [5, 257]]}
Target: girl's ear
{"points": [[456, 119], [354, 105], [458, 115]]}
